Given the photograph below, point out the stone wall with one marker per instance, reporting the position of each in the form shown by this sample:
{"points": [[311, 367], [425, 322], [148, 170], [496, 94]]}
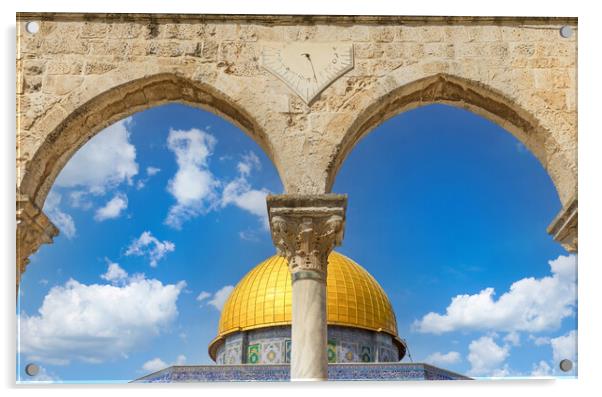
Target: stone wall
{"points": [[82, 72]]}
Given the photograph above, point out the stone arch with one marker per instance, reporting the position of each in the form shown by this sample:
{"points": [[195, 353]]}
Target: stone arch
{"points": [[116, 103], [66, 128], [471, 95]]}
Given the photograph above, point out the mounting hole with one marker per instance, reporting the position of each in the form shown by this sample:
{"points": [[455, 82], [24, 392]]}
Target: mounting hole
{"points": [[32, 27], [32, 369], [566, 365], [566, 31]]}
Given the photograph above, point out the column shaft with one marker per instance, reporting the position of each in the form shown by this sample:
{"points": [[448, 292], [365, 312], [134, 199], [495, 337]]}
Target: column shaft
{"points": [[309, 360], [305, 229]]}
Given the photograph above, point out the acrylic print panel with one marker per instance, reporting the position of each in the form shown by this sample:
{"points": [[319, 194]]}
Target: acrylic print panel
{"points": [[410, 183]]}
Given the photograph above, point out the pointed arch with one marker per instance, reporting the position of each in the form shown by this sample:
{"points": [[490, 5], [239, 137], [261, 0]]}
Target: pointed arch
{"points": [[471, 95], [116, 102]]}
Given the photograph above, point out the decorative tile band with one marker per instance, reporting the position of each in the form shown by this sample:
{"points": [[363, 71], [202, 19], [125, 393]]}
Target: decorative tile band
{"points": [[281, 373]]}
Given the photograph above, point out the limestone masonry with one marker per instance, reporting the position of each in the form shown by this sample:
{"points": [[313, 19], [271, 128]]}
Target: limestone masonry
{"points": [[81, 72]]}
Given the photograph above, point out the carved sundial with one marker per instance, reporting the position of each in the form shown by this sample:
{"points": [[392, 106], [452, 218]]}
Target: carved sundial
{"points": [[308, 68]]}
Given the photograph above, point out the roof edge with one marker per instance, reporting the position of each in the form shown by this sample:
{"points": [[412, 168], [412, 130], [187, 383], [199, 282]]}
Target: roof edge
{"points": [[281, 19]]}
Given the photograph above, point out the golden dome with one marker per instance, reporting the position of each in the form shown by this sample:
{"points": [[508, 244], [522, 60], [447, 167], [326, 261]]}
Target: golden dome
{"points": [[263, 299]]}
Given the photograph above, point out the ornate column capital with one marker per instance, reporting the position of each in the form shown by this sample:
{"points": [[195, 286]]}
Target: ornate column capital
{"points": [[305, 229], [564, 227], [33, 229]]}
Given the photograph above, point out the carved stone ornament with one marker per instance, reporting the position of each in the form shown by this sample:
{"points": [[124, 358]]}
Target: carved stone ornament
{"points": [[305, 229], [564, 227], [307, 67], [33, 229]]}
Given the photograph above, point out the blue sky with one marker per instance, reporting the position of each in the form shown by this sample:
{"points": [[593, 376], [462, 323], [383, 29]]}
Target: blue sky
{"points": [[447, 210]]}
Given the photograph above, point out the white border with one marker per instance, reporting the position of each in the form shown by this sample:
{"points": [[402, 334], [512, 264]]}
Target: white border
{"points": [[589, 189]]}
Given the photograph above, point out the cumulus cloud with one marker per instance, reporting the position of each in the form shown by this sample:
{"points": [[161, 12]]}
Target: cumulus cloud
{"points": [[503, 372], [442, 359], [151, 171], [248, 235], [151, 247], [220, 297], [193, 186], [154, 365], [512, 338], [531, 304], [486, 357], [180, 360], [107, 160], [60, 219], [565, 347], [240, 193], [98, 322], [249, 162], [114, 274], [43, 376], [197, 190], [203, 296], [541, 369], [113, 208], [80, 199], [217, 299], [539, 340]]}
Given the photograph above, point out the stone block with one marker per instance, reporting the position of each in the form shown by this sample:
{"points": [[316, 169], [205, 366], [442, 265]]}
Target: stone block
{"points": [[61, 84]]}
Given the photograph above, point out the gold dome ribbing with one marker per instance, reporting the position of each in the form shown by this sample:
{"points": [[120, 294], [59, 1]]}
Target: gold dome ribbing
{"points": [[263, 298]]}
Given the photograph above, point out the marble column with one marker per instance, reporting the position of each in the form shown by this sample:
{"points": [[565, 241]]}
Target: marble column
{"points": [[33, 229], [305, 229]]}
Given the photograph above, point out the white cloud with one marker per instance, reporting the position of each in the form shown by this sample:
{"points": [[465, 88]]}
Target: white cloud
{"points": [[539, 340], [114, 274], [193, 186], [151, 247], [107, 160], [565, 347], [486, 356], [249, 162], [202, 296], [531, 304], [541, 369], [240, 193], [220, 297], [502, 372], [442, 359], [80, 199], [43, 376], [60, 219], [113, 208], [512, 338], [154, 365], [151, 171], [97, 322], [248, 235]]}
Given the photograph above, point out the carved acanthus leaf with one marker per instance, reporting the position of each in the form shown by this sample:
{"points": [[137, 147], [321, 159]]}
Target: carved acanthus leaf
{"points": [[306, 235]]}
